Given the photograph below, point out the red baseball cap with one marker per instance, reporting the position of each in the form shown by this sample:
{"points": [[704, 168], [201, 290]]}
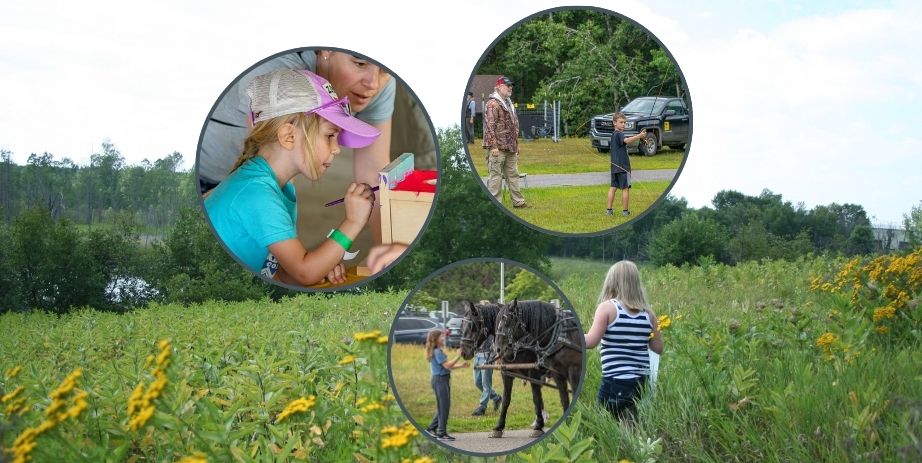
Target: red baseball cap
{"points": [[503, 80]]}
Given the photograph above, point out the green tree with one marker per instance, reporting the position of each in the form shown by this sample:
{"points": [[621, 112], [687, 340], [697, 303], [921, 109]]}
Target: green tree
{"points": [[591, 61], [687, 239], [861, 241], [193, 266], [526, 285], [912, 223]]}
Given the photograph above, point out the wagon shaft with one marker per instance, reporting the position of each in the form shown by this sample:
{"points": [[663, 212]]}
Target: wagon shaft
{"points": [[508, 366]]}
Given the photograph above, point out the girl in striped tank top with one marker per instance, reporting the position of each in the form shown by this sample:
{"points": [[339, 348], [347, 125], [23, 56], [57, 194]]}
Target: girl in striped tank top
{"points": [[626, 327]]}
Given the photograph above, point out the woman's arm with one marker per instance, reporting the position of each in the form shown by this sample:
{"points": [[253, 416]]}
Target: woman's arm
{"points": [[366, 163], [656, 342], [600, 323]]}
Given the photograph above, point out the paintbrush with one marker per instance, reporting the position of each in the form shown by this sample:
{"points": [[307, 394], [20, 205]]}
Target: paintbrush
{"points": [[340, 200]]}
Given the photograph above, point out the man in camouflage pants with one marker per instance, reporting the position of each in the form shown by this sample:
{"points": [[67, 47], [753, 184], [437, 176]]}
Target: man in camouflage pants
{"points": [[500, 139]]}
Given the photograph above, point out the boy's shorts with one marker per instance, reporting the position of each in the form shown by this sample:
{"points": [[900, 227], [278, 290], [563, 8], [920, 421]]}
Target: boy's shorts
{"points": [[620, 179]]}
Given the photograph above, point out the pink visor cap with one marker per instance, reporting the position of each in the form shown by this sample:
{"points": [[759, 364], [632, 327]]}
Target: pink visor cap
{"points": [[286, 91]]}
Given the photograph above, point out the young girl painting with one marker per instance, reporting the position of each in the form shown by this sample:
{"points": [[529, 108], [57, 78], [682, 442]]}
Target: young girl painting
{"points": [[298, 123], [441, 368], [627, 329]]}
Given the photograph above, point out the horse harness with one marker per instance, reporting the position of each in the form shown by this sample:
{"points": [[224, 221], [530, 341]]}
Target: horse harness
{"points": [[556, 341]]}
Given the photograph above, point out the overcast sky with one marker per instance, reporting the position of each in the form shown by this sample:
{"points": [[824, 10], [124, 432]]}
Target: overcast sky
{"points": [[817, 101]]}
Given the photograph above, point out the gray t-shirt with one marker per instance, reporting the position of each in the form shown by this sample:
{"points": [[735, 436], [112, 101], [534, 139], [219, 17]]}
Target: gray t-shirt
{"points": [[222, 142]]}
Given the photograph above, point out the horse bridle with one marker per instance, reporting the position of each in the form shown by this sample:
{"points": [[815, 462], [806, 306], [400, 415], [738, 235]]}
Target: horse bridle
{"points": [[482, 333]]}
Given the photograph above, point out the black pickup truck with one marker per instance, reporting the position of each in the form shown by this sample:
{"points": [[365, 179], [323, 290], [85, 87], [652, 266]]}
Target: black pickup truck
{"points": [[665, 118]]}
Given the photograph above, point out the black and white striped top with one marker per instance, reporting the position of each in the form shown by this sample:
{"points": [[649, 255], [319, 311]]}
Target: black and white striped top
{"points": [[625, 344]]}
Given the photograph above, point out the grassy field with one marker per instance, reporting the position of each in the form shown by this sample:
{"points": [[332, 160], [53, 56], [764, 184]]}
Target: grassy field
{"points": [[571, 156], [584, 206], [411, 385], [814, 360]]}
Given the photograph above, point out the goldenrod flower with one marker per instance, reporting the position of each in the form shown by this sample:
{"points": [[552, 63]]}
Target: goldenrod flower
{"points": [[827, 339], [884, 312], [382, 340], [140, 418], [140, 402], [297, 406], [882, 330], [11, 395], [347, 359], [197, 457], [372, 407], [25, 443], [12, 372]]}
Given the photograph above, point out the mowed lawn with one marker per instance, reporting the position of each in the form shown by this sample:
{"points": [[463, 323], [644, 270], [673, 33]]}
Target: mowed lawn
{"points": [[571, 156], [410, 371], [581, 209]]}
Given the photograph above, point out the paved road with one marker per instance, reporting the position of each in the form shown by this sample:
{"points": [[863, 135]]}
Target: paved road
{"points": [[594, 178], [479, 442]]}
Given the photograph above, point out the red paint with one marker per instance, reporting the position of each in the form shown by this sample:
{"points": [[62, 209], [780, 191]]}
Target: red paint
{"points": [[416, 181]]}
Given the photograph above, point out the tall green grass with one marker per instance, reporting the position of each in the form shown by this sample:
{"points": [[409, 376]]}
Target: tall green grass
{"points": [[741, 378]]}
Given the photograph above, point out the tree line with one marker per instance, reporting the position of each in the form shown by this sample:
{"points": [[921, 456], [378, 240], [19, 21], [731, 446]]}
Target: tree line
{"points": [[50, 260], [153, 192]]}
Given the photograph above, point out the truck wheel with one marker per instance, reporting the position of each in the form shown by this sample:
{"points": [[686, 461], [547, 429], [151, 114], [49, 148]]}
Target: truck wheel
{"points": [[650, 147]]}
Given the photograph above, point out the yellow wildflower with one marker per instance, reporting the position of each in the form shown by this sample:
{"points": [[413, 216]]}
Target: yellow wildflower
{"points": [[140, 418], [140, 402], [382, 340], [25, 443], [397, 440], [12, 372], [297, 406], [371, 335], [11, 395], [827, 339], [882, 330], [664, 322], [884, 312], [197, 457], [16, 406], [347, 359], [372, 407]]}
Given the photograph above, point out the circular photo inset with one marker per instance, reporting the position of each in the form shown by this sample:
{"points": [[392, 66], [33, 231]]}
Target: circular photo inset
{"points": [[318, 168], [486, 356], [577, 120]]}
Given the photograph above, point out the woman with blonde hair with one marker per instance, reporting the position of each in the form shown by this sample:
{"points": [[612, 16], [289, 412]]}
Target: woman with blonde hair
{"points": [[627, 329], [441, 368]]}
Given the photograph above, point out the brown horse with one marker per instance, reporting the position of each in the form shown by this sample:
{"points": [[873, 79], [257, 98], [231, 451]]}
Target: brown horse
{"points": [[528, 332]]}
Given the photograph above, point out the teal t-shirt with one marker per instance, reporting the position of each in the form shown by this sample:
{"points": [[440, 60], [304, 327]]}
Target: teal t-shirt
{"points": [[249, 212]]}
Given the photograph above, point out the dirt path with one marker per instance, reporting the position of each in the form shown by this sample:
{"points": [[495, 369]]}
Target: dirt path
{"points": [[480, 443]]}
